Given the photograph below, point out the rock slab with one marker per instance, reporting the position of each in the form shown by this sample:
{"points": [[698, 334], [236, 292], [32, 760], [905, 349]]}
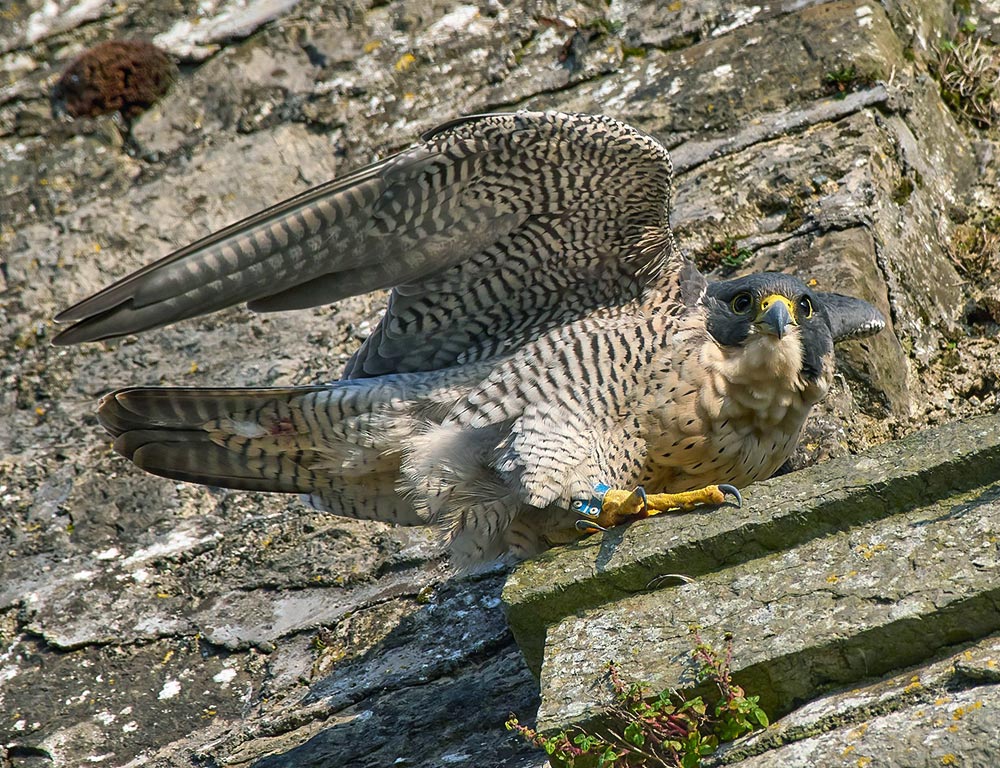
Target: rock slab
{"points": [[839, 573]]}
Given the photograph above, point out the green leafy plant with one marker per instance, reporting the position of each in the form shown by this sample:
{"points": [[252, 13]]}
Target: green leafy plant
{"points": [[845, 79], [724, 254], [639, 730]]}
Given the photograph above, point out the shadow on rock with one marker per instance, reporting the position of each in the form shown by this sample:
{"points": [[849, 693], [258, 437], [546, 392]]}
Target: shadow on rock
{"points": [[436, 690]]}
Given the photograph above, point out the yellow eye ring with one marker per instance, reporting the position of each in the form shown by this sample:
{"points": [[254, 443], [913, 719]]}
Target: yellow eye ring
{"points": [[806, 307], [741, 303]]}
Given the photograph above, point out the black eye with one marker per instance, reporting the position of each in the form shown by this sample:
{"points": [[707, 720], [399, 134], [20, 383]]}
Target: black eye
{"points": [[741, 303], [806, 307]]}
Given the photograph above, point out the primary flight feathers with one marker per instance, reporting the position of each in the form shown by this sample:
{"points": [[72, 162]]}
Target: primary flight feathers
{"points": [[491, 227]]}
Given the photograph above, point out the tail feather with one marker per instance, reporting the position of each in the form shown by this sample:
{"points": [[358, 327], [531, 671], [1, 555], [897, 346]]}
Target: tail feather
{"points": [[319, 441], [175, 407], [193, 456]]}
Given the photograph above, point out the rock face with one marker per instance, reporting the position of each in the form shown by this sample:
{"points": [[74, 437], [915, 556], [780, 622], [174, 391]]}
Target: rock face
{"points": [[843, 571], [782, 517], [148, 623]]}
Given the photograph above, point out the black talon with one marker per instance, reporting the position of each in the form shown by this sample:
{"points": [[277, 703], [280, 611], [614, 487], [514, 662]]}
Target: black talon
{"points": [[731, 490], [641, 493], [655, 583], [589, 527]]}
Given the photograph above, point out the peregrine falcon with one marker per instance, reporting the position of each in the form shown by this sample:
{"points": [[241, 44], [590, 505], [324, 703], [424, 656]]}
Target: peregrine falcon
{"points": [[549, 364]]}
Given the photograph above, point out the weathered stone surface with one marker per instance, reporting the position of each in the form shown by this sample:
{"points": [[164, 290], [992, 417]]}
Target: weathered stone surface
{"points": [[26, 23], [296, 639], [928, 706], [804, 508], [874, 598], [931, 716], [653, 25], [199, 38], [719, 83], [959, 729], [114, 699]]}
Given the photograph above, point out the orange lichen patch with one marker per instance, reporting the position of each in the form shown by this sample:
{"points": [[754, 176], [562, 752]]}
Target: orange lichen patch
{"points": [[915, 685], [405, 61], [868, 552], [858, 732], [126, 76], [949, 759], [961, 712], [835, 578]]}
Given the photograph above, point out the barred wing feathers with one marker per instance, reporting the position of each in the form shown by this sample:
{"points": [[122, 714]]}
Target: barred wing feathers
{"points": [[492, 230]]}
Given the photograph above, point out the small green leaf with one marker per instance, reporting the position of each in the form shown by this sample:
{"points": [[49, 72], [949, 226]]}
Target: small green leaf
{"points": [[696, 704], [607, 757], [633, 732]]}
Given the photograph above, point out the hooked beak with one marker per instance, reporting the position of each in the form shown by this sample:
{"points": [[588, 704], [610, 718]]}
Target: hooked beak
{"points": [[776, 314]]}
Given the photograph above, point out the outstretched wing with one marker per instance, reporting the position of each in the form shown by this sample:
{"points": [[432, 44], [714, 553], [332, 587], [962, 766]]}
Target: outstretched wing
{"points": [[492, 230]]}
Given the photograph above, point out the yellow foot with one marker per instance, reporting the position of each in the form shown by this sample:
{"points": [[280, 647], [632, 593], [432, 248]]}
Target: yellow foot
{"points": [[619, 506]]}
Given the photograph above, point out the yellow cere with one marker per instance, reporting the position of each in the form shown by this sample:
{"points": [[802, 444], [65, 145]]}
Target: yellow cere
{"points": [[772, 299]]}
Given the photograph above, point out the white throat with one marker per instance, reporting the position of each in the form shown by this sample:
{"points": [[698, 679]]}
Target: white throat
{"points": [[765, 380]]}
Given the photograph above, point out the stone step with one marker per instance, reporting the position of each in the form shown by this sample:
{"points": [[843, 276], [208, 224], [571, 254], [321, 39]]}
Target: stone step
{"points": [[841, 572], [945, 713]]}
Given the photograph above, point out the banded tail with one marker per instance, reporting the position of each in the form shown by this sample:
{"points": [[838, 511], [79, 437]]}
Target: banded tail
{"points": [[326, 442]]}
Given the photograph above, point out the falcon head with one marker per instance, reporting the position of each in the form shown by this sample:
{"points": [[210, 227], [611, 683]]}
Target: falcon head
{"points": [[779, 316]]}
